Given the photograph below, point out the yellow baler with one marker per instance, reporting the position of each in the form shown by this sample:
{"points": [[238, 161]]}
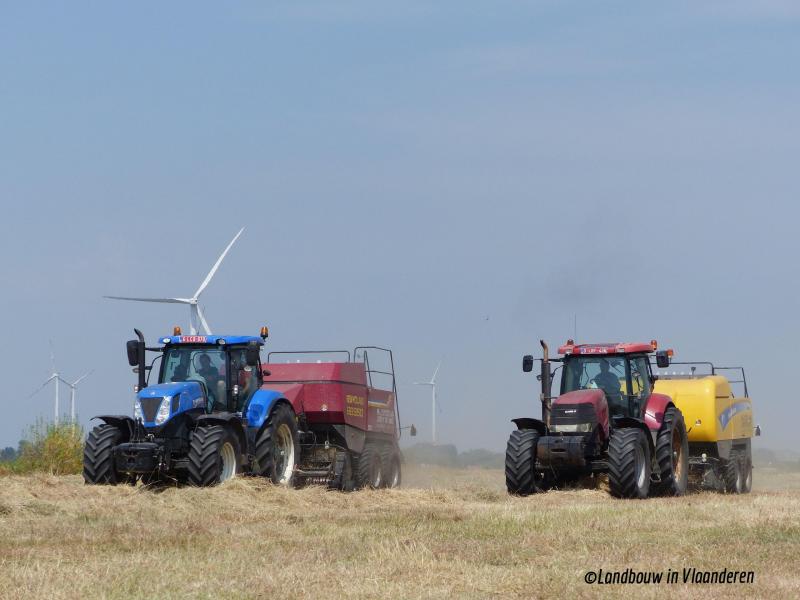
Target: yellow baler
{"points": [[719, 425], [711, 411]]}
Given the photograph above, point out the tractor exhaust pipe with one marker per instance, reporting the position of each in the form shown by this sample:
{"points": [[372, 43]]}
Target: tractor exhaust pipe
{"points": [[546, 378]]}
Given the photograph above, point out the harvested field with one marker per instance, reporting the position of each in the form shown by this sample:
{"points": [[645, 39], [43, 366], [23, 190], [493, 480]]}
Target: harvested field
{"points": [[446, 534]]}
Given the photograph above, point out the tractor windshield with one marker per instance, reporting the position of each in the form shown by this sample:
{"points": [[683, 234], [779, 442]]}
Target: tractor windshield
{"points": [[598, 372], [203, 364]]}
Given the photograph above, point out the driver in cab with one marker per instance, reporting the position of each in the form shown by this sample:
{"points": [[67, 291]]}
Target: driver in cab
{"points": [[609, 383], [214, 383]]}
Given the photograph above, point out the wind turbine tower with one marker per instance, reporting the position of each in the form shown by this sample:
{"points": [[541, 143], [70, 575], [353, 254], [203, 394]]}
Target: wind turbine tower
{"points": [[195, 313], [432, 385]]}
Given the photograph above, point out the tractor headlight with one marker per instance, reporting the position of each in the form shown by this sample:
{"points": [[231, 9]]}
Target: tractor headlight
{"points": [[137, 411], [163, 410], [576, 428]]}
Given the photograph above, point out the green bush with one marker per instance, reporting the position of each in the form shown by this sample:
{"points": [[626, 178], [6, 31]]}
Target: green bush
{"points": [[49, 448]]}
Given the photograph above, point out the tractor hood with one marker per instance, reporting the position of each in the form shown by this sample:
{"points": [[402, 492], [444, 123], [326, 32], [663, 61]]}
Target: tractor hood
{"points": [[574, 411], [157, 404]]}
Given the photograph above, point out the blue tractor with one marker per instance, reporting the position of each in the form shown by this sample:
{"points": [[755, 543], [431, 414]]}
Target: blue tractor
{"points": [[206, 418]]}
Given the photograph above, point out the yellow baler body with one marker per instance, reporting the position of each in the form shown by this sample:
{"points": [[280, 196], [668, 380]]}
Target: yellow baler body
{"points": [[710, 410]]}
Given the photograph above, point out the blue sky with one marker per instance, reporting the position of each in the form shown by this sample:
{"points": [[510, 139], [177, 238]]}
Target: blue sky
{"points": [[403, 171]]}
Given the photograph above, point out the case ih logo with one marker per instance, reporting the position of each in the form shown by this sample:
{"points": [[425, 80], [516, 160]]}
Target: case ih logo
{"points": [[193, 339]]}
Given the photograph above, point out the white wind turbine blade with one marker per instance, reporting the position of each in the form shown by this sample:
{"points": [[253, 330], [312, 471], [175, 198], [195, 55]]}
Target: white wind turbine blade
{"points": [[52, 358], [433, 379], [216, 265], [167, 300], [203, 321], [422, 383], [81, 378], [41, 387]]}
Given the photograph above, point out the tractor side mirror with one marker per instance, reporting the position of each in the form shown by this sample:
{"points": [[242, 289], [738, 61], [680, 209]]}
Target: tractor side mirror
{"points": [[662, 359], [252, 353], [132, 346], [527, 363], [413, 431]]}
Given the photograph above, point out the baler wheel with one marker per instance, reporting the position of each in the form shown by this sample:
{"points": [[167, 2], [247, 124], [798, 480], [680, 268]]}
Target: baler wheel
{"points": [[342, 472], [213, 453], [521, 476], [732, 475], [390, 461], [747, 474], [672, 455], [98, 455], [278, 447], [369, 471], [629, 463]]}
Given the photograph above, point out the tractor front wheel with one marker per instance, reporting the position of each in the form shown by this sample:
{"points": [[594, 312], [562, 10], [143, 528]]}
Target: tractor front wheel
{"points": [[278, 447], [521, 476], [672, 455], [629, 463], [98, 455], [213, 456]]}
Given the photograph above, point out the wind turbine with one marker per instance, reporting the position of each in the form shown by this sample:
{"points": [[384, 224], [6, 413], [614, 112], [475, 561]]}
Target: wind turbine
{"points": [[72, 389], [195, 314], [54, 376], [432, 384]]}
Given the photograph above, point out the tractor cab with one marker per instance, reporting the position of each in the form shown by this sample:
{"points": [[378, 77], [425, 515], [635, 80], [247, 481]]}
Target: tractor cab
{"points": [[214, 373], [621, 371]]}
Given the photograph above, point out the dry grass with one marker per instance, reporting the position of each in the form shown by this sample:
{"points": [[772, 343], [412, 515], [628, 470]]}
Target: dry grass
{"points": [[456, 535]]}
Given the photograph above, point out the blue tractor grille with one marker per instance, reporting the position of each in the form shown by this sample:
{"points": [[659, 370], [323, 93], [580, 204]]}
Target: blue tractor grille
{"points": [[150, 408]]}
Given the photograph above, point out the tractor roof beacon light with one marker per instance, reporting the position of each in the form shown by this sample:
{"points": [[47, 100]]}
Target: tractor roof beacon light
{"points": [[264, 332], [654, 344], [176, 330]]}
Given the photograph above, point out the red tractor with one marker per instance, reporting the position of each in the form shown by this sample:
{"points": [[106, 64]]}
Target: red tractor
{"points": [[607, 419]]}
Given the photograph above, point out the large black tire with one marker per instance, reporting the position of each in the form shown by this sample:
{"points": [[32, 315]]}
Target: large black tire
{"points": [[98, 455], [213, 456], [390, 463], [369, 471], [278, 447], [732, 476], [629, 463], [343, 479], [672, 455], [521, 476]]}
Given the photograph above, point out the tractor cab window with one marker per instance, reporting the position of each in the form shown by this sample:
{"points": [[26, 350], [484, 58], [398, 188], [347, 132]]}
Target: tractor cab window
{"points": [[244, 376], [204, 365], [597, 372]]}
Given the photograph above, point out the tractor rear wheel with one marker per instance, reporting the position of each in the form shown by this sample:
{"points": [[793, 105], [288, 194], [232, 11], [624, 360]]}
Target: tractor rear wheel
{"points": [[390, 462], [369, 472], [521, 476], [278, 447], [213, 456], [672, 455], [629, 463], [98, 455], [732, 475]]}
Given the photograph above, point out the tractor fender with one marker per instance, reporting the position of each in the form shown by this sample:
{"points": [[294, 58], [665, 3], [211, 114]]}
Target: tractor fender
{"points": [[260, 405], [529, 423], [229, 420], [124, 423], [657, 405], [628, 422]]}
